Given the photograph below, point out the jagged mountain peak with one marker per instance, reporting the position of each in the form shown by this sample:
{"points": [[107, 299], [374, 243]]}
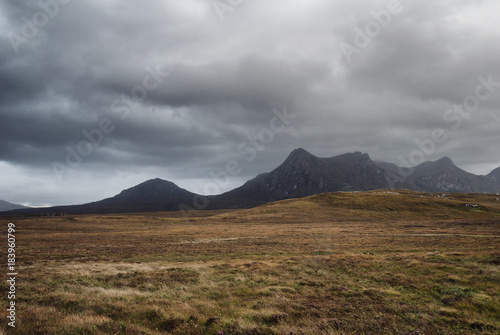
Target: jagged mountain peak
{"points": [[299, 159], [300, 154], [299, 151], [445, 161], [436, 167]]}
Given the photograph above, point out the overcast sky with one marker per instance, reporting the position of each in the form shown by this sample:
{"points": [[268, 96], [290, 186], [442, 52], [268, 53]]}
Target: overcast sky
{"points": [[99, 95]]}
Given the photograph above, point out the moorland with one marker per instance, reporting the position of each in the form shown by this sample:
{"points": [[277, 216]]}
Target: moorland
{"points": [[378, 262]]}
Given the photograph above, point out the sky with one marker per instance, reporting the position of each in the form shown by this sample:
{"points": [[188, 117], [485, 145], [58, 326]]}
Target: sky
{"points": [[97, 96]]}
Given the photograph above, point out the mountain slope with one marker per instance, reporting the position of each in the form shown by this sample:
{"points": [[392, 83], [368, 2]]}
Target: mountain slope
{"points": [[7, 206], [493, 179]]}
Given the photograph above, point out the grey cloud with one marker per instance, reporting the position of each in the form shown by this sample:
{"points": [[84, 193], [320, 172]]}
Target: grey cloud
{"points": [[225, 78]]}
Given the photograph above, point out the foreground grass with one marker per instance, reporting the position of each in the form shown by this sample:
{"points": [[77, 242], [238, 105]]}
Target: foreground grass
{"points": [[300, 267]]}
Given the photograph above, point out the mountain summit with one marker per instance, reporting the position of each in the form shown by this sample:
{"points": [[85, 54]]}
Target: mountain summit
{"points": [[299, 157], [153, 190]]}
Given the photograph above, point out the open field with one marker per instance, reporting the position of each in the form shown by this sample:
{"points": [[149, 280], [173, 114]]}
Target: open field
{"points": [[385, 262]]}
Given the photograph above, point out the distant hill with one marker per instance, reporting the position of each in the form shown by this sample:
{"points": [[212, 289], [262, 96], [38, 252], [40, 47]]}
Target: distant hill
{"points": [[152, 195], [301, 174], [7, 206]]}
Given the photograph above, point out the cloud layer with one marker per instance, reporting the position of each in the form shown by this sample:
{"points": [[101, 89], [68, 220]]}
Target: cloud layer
{"points": [[180, 89]]}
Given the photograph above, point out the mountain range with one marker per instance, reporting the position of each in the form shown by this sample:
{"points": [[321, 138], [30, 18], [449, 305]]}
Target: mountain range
{"points": [[301, 174], [7, 206]]}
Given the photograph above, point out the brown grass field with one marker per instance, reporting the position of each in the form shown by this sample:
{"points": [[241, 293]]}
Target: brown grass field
{"points": [[381, 262]]}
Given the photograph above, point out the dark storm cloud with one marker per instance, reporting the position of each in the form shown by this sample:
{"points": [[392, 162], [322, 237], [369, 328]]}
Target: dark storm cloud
{"points": [[225, 77], [253, 82]]}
